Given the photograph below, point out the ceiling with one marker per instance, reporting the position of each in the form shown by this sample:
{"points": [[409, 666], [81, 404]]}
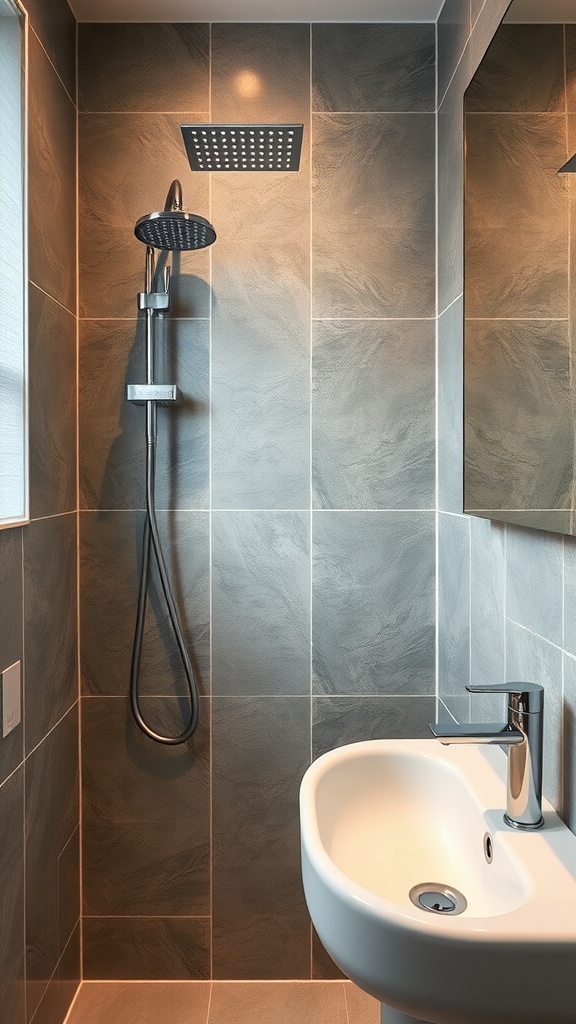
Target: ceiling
{"points": [[256, 10]]}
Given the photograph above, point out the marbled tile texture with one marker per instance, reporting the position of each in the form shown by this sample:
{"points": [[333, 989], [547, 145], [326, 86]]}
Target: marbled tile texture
{"points": [[237, 463]]}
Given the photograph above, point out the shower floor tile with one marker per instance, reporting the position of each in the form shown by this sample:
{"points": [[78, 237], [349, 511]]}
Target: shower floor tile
{"points": [[221, 1002]]}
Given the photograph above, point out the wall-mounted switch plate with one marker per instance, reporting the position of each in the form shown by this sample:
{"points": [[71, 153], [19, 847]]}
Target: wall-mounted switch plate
{"points": [[11, 698]]}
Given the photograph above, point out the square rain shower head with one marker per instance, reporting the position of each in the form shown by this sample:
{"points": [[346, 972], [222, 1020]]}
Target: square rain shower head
{"points": [[243, 147]]}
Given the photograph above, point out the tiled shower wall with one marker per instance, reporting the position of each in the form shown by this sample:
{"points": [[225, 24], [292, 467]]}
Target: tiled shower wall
{"points": [[507, 594], [39, 805], [296, 480]]}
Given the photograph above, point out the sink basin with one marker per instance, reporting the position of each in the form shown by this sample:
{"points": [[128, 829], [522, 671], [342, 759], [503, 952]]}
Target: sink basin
{"points": [[381, 817]]}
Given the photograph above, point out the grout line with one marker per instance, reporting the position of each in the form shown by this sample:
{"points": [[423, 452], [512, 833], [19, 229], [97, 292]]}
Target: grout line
{"points": [[264, 696], [505, 623], [49, 296], [373, 319], [145, 917], [211, 983], [347, 1011], [517, 319], [436, 405], [210, 556], [52, 976], [50, 731], [78, 551], [533, 633], [56, 515], [446, 708], [454, 301], [51, 62], [206, 981], [23, 766]]}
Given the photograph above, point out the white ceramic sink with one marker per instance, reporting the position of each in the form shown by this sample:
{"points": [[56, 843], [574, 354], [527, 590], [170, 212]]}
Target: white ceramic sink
{"points": [[381, 817]]}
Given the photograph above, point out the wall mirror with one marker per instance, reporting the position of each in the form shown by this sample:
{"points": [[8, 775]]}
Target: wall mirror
{"points": [[13, 272], [520, 272]]}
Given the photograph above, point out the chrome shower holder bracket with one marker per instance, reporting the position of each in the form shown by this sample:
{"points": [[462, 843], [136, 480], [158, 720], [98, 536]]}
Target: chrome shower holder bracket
{"points": [[162, 394]]}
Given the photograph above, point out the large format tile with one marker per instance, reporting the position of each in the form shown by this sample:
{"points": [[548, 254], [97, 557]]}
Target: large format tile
{"points": [[569, 743], [570, 36], [534, 582], [516, 215], [487, 613], [373, 67], [261, 341], [141, 1003], [368, 449], [55, 25], [112, 430], [530, 658], [143, 67], [340, 720], [450, 409], [51, 180], [260, 73], [110, 560], [69, 972], [569, 635], [323, 966], [373, 215], [50, 613], [127, 162], [146, 842], [12, 942], [261, 748], [261, 603], [373, 602], [52, 405], [147, 948], [51, 818], [518, 429], [278, 1004], [454, 606], [523, 69], [11, 635], [361, 1008]]}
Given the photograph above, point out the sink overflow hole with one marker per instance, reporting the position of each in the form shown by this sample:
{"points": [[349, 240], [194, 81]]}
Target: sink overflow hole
{"points": [[488, 847], [438, 899]]}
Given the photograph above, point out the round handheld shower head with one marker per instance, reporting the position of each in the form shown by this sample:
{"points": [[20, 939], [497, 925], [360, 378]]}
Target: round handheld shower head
{"points": [[173, 229]]}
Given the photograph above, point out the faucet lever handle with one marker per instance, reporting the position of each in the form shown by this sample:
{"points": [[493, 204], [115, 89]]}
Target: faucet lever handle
{"points": [[524, 697]]}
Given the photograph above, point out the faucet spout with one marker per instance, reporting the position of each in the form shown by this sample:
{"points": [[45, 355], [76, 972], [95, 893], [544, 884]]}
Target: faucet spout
{"points": [[523, 734], [500, 733]]}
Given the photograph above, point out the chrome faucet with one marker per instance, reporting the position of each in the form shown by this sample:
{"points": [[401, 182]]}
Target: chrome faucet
{"points": [[523, 734]]}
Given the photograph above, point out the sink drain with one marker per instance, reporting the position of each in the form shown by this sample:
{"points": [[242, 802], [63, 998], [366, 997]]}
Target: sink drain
{"points": [[438, 899]]}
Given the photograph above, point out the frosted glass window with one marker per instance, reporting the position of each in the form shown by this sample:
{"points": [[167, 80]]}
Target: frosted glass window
{"points": [[13, 360]]}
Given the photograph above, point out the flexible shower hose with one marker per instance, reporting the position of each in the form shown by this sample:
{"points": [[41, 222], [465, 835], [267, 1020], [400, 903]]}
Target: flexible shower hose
{"points": [[151, 541]]}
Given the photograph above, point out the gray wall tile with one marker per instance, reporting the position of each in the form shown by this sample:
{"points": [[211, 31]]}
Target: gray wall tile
{"points": [[534, 584], [117, 148], [55, 25], [50, 610], [112, 430], [51, 180], [450, 409], [52, 406], [518, 451], [340, 720], [369, 450], [569, 764], [373, 259], [487, 612], [569, 641], [516, 262], [146, 843], [531, 659], [110, 554], [12, 941], [146, 948], [51, 818], [260, 73], [261, 342], [373, 602], [143, 67], [373, 67], [454, 604], [11, 635], [260, 746], [261, 603]]}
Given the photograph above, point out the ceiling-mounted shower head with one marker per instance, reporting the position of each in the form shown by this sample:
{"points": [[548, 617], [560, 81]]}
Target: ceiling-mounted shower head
{"points": [[173, 229], [243, 147]]}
